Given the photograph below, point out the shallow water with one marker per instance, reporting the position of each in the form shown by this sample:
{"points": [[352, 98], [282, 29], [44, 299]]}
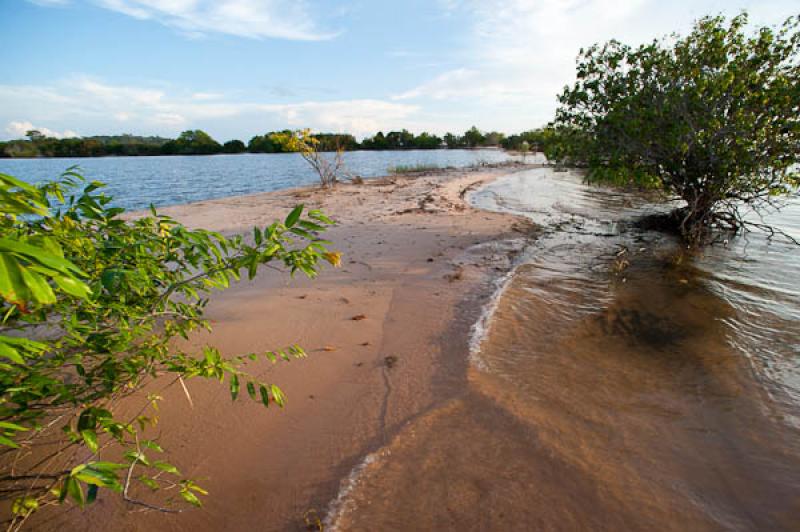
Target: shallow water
{"points": [[622, 386], [136, 182]]}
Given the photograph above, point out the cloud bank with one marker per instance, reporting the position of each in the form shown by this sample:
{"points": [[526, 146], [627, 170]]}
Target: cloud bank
{"points": [[18, 129], [105, 108]]}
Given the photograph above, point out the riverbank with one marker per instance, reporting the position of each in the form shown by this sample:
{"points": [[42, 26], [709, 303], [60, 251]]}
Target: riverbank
{"points": [[135, 183], [620, 384], [418, 264]]}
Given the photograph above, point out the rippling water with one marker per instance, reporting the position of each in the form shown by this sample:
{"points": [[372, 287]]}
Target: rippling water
{"points": [[136, 182], [623, 385]]}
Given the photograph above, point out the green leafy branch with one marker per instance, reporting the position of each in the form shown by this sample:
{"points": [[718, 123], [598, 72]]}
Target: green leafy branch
{"points": [[91, 304]]}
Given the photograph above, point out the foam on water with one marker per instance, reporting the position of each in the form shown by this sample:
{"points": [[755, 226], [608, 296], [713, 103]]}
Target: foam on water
{"points": [[342, 505], [481, 328]]}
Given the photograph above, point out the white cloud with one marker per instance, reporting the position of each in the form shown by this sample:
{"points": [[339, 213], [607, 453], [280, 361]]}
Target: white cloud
{"points": [[169, 119], [359, 117], [95, 107], [206, 96], [49, 3], [469, 84], [256, 19], [521, 53], [18, 129], [450, 84], [110, 94]]}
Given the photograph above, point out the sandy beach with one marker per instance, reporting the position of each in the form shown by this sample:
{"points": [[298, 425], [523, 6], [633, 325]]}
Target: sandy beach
{"points": [[418, 266]]}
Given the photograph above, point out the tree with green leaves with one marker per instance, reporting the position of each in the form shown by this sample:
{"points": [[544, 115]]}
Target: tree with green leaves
{"points": [[91, 305], [473, 137], [536, 139], [493, 138], [34, 135], [375, 142], [192, 142], [234, 146], [453, 141], [711, 118], [427, 141]]}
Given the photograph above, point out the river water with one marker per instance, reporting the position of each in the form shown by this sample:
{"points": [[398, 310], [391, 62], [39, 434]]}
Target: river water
{"points": [[619, 385], [136, 182]]}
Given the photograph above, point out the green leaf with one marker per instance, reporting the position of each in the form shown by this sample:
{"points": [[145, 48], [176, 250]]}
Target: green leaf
{"points": [[8, 442], [277, 395], [90, 438], [62, 491], [234, 387], [294, 216], [194, 487], [12, 426], [39, 255], [72, 286], [317, 215], [264, 394], [91, 494], [14, 182], [166, 467], [191, 498], [74, 489], [106, 466], [137, 456], [12, 286], [310, 226], [87, 419], [251, 390], [150, 483], [40, 290], [302, 232], [6, 351], [150, 444]]}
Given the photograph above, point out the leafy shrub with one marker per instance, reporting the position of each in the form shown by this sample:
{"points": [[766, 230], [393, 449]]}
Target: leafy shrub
{"points": [[91, 304], [330, 170], [710, 117]]}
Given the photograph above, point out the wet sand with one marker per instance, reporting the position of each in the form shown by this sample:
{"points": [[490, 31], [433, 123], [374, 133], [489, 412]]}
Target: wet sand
{"points": [[418, 262], [649, 394]]}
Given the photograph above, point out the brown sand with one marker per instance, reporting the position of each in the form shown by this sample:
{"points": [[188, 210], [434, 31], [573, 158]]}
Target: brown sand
{"points": [[417, 262]]}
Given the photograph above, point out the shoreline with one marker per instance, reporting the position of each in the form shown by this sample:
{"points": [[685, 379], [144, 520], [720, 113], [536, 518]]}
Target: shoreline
{"points": [[418, 261], [115, 156], [315, 193]]}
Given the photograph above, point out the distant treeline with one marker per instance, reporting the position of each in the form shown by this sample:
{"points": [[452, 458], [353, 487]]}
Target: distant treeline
{"points": [[198, 142]]}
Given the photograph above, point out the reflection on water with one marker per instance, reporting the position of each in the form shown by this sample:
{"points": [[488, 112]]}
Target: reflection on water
{"points": [[136, 182], [623, 386]]}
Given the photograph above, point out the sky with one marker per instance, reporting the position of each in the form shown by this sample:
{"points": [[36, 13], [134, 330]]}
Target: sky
{"points": [[237, 68]]}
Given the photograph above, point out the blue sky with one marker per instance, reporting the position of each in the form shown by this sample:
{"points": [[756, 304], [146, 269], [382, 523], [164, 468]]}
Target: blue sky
{"points": [[236, 68]]}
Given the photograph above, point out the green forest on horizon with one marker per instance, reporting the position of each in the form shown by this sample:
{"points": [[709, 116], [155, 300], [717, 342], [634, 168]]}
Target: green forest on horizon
{"points": [[198, 142]]}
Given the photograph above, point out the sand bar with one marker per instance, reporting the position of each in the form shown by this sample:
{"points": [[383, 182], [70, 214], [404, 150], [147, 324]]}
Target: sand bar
{"points": [[418, 264]]}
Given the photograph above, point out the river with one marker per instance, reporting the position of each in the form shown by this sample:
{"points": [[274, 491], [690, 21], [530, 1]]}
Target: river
{"points": [[136, 182], [619, 384]]}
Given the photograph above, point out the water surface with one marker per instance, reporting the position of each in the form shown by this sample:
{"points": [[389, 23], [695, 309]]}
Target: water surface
{"points": [[136, 182], [623, 385]]}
